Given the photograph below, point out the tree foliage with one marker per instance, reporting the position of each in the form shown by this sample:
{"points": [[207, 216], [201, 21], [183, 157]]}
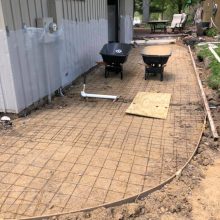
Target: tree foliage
{"points": [[162, 5], [180, 5], [138, 5]]}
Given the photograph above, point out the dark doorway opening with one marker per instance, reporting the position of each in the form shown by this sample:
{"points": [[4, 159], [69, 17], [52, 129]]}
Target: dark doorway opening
{"points": [[113, 26]]}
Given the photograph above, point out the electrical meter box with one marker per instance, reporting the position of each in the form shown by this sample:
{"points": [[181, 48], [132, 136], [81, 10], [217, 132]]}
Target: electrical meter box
{"points": [[44, 22]]}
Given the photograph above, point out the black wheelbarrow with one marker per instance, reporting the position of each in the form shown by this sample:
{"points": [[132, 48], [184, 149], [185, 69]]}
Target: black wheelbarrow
{"points": [[114, 56], [155, 59]]}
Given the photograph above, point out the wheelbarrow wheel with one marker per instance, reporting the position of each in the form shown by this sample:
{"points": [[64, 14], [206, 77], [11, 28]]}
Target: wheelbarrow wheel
{"points": [[121, 75], [161, 74], [146, 75], [121, 72], [106, 74]]}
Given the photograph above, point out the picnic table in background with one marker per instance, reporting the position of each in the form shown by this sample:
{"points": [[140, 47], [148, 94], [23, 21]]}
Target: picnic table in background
{"points": [[158, 25]]}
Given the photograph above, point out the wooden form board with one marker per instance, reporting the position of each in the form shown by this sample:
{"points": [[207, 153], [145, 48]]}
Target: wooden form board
{"points": [[153, 105]]}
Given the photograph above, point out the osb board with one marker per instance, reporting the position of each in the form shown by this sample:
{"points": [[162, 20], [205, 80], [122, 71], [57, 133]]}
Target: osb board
{"points": [[153, 105]]}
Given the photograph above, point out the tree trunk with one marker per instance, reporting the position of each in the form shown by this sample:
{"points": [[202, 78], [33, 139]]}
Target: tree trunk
{"points": [[180, 6], [146, 10]]}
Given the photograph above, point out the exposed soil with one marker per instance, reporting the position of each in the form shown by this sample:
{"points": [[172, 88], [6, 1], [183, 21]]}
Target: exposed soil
{"points": [[194, 194], [206, 205]]}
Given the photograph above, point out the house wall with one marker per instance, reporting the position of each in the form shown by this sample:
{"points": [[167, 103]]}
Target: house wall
{"points": [[217, 17], [126, 20], [42, 62], [21, 12], [207, 12], [7, 91]]}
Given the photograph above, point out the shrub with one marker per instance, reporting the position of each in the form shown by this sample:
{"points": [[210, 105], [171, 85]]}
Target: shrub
{"points": [[211, 32], [214, 78]]}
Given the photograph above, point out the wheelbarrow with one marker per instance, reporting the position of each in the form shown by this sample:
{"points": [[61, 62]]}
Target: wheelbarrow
{"points": [[114, 55], [155, 59]]}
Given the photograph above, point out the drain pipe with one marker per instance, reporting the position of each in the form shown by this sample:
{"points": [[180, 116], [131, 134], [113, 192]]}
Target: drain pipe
{"points": [[211, 48], [87, 95]]}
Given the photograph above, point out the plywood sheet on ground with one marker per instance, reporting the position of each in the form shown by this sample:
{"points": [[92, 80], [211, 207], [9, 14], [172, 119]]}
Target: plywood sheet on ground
{"points": [[154, 105]]}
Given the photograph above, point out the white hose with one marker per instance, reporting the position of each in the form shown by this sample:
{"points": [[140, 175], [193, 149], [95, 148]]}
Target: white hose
{"points": [[61, 92], [213, 23], [214, 53]]}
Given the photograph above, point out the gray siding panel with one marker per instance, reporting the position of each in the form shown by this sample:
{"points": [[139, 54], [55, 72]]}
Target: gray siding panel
{"points": [[6, 6], [19, 12], [25, 13], [44, 7], [16, 14], [39, 11], [40, 62], [32, 13]]}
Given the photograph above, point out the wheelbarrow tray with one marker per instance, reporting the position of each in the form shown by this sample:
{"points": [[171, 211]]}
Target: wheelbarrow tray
{"points": [[114, 56], [155, 57], [160, 60], [115, 53], [156, 54]]}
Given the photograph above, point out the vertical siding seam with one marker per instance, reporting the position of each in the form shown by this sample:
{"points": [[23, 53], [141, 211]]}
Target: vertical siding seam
{"points": [[22, 19], [29, 12], [35, 10], [42, 11], [12, 14]]}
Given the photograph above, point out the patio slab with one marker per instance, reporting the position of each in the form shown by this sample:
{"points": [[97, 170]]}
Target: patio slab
{"points": [[79, 154]]}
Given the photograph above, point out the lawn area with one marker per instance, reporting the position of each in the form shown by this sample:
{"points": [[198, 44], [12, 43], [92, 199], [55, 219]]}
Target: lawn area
{"points": [[203, 52]]}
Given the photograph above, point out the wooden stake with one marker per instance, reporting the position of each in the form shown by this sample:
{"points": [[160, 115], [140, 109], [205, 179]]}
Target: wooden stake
{"points": [[211, 121]]}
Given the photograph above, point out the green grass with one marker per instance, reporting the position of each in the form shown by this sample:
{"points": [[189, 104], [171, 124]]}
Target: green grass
{"points": [[214, 79], [211, 32]]}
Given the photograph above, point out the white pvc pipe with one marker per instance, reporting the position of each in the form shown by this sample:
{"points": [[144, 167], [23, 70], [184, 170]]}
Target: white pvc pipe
{"points": [[214, 53], [205, 43], [213, 23], [87, 95], [61, 92]]}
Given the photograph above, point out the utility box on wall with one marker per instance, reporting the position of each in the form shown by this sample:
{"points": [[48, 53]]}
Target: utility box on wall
{"points": [[44, 22]]}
